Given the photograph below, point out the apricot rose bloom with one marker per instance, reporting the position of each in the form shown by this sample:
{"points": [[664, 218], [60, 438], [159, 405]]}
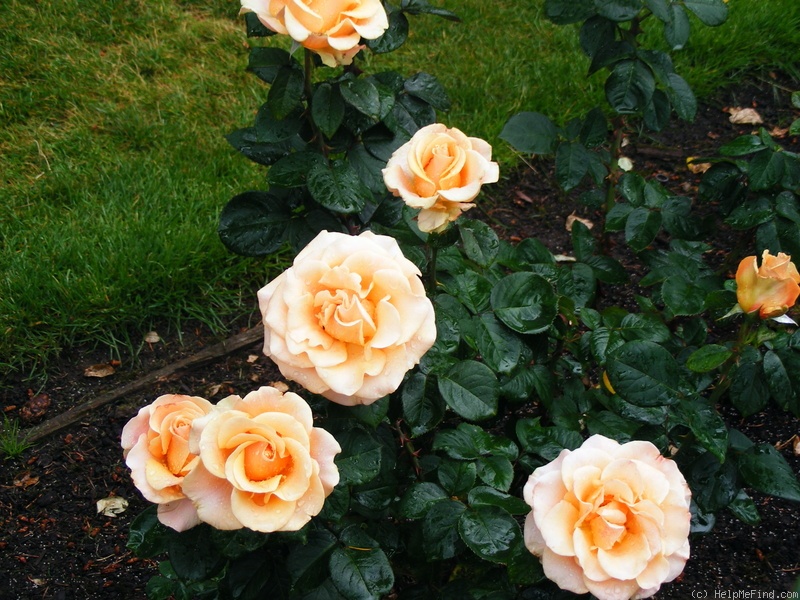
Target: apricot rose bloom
{"points": [[770, 289], [440, 171], [263, 465], [330, 28], [349, 318], [155, 445], [608, 518]]}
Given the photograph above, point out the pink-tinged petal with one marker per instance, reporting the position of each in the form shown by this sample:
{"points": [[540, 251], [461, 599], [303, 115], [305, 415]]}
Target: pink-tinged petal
{"points": [[142, 465], [534, 541], [557, 528], [546, 493], [211, 497], [628, 558], [180, 515], [564, 572], [612, 589], [324, 449], [270, 399], [135, 428], [259, 512]]}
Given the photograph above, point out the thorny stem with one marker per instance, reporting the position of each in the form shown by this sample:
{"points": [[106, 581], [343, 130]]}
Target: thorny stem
{"points": [[406, 442]]}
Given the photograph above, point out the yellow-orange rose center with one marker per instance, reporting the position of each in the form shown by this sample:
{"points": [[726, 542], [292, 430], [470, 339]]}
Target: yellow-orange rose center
{"points": [[609, 525], [262, 461], [345, 316]]}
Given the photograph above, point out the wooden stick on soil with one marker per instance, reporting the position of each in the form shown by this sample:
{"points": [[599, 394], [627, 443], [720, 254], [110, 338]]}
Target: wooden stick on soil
{"points": [[228, 346]]}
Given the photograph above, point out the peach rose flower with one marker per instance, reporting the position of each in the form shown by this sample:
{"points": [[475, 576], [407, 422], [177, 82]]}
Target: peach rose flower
{"points": [[770, 289], [349, 318], [608, 518], [263, 465], [155, 445], [440, 171], [330, 28]]}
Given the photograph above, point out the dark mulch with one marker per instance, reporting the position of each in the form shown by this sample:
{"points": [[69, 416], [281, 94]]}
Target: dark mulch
{"points": [[54, 544]]}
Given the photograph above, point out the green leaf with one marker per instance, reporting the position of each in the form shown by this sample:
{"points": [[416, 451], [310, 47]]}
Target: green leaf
{"points": [[677, 27], [247, 142], [547, 442], [531, 133], [456, 476], [499, 347], [764, 469], [265, 62], [563, 12], [523, 567], [630, 86], [642, 227], [327, 108], [466, 442], [360, 459], [577, 283], [480, 241], [618, 10], [749, 390], [253, 224], [471, 288], [572, 163], [745, 509], [291, 171], [778, 380], [710, 12], [683, 297], [648, 327], [147, 537], [440, 530], [607, 269], [254, 27], [495, 471], [362, 95], [706, 424], [428, 89], [594, 130], [490, 532], [744, 144], [310, 560], [360, 569], [681, 97], [338, 188], [525, 302], [419, 498], [471, 390], [644, 374], [422, 410], [659, 8], [193, 556], [489, 496], [708, 358], [765, 170], [421, 7], [233, 544], [286, 92], [394, 36]]}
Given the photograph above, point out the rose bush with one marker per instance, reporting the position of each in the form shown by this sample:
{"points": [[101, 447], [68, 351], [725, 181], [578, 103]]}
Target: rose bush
{"points": [[771, 289], [155, 445], [330, 28], [608, 518], [349, 318], [263, 465], [440, 171]]}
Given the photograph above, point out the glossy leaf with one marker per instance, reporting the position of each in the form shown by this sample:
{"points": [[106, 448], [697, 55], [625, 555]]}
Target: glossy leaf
{"points": [[291, 171], [531, 133], [563, 12], [471, 390], [644, 374], [677, 27], [490, 532], [360, 459], [265, 62], [440, 530], [253, 224], [337, 187], [480, 241], [572, 164], [710, 12], [422, 409], [360, 569], [428, 89], [489, 496], [642, 227], [764, 469], [525, 302], [707, 358], [499, 347], [286, 92], [419, 498], [327, 108]]}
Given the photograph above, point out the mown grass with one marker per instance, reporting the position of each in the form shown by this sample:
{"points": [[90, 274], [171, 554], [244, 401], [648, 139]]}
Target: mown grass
{"points": [[113, 165]]}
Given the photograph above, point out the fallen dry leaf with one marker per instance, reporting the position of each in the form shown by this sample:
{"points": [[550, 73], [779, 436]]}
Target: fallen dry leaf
{"points": [[213, 390], [779, 132], [151, 337], [111, 506], [35, 408], [101, 370], [744, 116], [696, 167], [571, 221], [280, 386], [26, 481], [625, 163], [252, 358]]}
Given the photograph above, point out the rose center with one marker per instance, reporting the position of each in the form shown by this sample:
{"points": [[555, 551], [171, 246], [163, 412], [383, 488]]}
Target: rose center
{"points": [[346, 317], [261, 462], [609, 525], [329, 13]]}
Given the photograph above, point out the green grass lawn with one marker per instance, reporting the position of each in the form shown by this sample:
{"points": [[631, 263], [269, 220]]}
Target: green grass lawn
{"points": [[113, 165]]}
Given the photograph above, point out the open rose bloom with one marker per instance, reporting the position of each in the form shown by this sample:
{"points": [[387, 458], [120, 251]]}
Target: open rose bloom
{"points": [[440, 171], [608, 518], [330, 28], [263, 465], [771, 289], [155, 445], [349, 318]]}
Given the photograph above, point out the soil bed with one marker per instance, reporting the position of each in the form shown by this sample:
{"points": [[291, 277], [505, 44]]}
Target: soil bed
{"points": [[55, 544]]}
